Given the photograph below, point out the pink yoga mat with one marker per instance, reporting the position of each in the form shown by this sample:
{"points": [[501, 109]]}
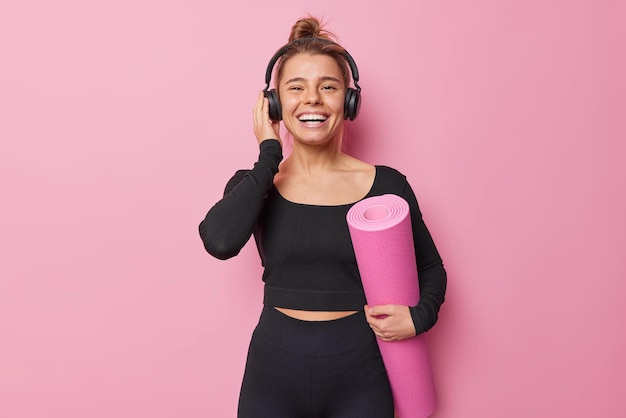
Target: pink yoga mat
{"points": [[380, 228]]}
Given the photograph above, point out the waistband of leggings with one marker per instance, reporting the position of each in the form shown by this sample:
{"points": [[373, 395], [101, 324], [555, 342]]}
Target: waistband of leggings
{"points": [[314, 338]]}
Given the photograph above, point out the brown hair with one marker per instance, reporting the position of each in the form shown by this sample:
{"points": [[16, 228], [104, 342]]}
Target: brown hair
{"points": [[311, 38]]}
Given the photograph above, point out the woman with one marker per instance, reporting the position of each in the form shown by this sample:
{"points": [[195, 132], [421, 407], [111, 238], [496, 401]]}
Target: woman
{"points": [[314, 352]]}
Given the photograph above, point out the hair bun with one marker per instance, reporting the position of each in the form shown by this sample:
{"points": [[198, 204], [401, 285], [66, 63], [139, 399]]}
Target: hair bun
{"points": [[309, 27]]}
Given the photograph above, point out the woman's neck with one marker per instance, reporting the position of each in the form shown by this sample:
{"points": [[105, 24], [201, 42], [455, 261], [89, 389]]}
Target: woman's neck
{"points": [[310, 159]]}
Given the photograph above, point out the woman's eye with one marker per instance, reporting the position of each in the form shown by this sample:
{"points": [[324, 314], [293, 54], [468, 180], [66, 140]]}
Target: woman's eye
{"points": [[295, 88], [329, 88]]}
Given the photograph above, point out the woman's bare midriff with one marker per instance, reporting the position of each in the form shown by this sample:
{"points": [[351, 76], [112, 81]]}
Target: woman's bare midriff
{"points": [[315, 315]]}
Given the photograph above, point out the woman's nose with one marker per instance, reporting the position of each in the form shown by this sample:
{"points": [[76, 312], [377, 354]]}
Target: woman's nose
{"points": [[312, 97]]}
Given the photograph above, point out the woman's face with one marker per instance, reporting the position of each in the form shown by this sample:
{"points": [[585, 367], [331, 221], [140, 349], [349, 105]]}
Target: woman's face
{"points": [[312, 97]]}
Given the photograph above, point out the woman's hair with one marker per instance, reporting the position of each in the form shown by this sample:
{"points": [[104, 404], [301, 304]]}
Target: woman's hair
{"points": [[311, 38]]}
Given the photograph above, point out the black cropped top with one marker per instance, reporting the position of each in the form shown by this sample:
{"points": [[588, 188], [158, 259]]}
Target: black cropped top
{"points": [[306, 250]]}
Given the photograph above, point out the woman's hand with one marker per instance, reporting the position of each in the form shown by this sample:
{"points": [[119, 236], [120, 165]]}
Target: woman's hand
{"points": [[390, 322], [264, 128]]}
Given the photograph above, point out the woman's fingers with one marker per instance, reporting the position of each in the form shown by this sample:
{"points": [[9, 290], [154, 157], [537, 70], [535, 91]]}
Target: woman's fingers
{"points": [[390, 322]]}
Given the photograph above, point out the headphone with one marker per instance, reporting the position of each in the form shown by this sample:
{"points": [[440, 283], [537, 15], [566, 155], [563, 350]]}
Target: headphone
{"points": [[353, 96]]}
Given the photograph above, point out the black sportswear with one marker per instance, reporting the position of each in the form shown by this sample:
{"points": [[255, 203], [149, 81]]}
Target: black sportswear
{"points": [[306, 250]]}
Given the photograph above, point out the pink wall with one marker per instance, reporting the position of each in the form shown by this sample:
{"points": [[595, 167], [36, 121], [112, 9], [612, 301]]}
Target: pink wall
{"points": [[121, 121]]}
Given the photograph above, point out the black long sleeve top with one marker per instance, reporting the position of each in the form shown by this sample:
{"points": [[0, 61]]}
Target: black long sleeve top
{"points": [[306, 250]]}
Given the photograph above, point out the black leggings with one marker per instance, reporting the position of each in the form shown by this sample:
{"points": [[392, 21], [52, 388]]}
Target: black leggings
{"points": [[314, 369]]}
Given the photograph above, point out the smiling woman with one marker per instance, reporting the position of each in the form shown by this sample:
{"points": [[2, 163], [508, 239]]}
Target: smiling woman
{"points": [[312, 97], [315, 321]]}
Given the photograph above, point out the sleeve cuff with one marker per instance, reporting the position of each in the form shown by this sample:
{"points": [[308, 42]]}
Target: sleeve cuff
{"points": [[271, 151], [417, 322]]}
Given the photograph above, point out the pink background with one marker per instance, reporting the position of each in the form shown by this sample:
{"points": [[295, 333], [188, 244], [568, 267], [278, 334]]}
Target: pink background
{"points": [[121, 121]]}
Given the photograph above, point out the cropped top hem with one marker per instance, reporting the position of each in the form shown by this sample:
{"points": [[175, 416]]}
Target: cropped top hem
{"points": [[314, 300]]}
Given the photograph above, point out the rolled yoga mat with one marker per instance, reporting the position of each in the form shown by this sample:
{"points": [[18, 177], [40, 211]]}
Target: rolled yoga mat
{"points": [[382, 237]]}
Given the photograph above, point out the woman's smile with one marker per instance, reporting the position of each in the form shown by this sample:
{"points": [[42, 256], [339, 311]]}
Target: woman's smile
{"points": [[313, 120]]}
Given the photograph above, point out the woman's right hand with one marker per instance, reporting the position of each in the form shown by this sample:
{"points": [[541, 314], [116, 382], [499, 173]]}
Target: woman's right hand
{"points": [[264, 128]]}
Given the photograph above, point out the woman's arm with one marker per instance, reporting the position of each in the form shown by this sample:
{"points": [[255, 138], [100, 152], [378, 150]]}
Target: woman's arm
{"points": [[229, 223], [431, 273]]}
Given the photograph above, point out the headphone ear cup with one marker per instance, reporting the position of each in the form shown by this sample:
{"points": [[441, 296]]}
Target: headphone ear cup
{"points": [[353, 104], [276, 112]]}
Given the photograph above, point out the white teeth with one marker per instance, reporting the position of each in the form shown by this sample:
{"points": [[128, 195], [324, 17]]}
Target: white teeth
{"points": [[312, 118]]}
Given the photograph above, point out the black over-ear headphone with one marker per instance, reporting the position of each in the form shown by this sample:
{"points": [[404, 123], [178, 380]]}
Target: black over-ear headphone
{"points": [[353, 96]]}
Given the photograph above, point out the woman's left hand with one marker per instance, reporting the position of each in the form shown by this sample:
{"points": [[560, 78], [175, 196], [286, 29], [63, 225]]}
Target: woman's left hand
{"points": [[390, 322]]}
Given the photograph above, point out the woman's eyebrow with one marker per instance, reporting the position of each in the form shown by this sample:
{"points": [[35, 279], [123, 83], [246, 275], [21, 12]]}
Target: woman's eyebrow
{"points": [[301, 79]]}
